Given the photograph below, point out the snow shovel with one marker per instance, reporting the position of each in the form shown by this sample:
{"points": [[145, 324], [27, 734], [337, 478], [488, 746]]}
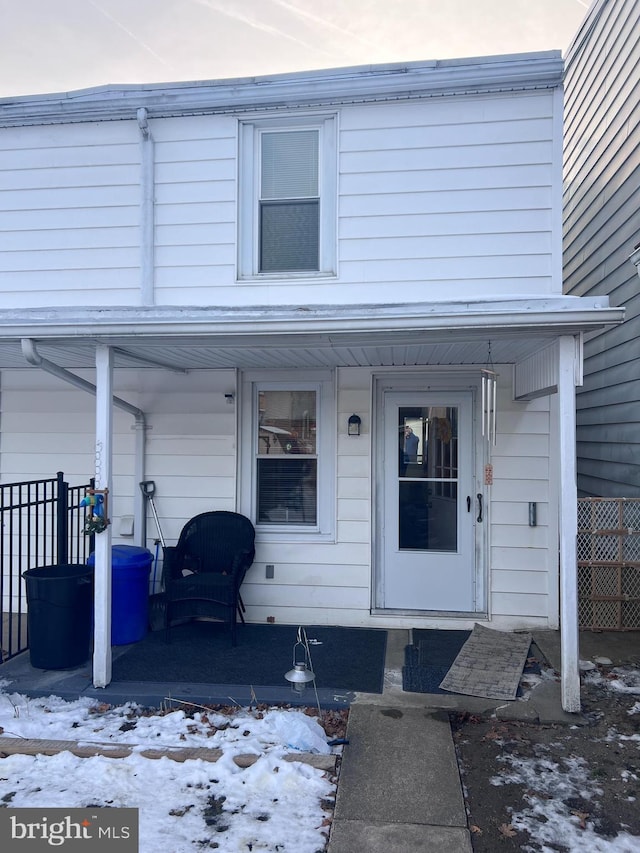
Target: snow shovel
{"points": [[148, 490]]}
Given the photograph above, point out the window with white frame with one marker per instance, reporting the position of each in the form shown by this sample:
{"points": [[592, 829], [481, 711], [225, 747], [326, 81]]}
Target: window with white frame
{"points": [[287, 197], [288, 469], [287, 457]]}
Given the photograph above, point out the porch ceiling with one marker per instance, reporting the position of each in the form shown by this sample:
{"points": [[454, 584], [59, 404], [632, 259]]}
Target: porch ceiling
{"points": [[312, 352]]}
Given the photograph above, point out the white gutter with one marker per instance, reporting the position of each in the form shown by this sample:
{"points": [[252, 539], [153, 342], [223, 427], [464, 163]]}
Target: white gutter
{"points": [[147, 210], [391, 81], [34, 358], [564, 314]]}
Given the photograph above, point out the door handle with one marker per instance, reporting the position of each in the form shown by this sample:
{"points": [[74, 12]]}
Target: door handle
{"points": [[468, 503], [479, 496]]}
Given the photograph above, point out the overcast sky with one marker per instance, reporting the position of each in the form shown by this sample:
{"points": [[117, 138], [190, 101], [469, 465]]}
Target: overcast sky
{"points": [[59, 45]]}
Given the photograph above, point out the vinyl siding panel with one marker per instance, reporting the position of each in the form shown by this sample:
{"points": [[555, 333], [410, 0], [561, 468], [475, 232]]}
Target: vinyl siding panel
{"points": [[354, 510], [354, 465], [526, 559], [49, 426], [434, 194], [601, 203], [195, 208], [309, 574], [519, 605], [315, 597], [522, 568], [520, 581], [441, 224], [354, 531], [69, 199], [465, 174], [317, 615]]}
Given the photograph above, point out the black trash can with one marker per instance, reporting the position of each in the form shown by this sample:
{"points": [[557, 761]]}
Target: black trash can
{"points": [[60, 615]]}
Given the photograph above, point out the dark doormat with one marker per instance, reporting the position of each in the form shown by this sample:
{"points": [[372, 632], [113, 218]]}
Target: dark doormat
{"points": [[431, 655], [201, 652], [428, 659]]}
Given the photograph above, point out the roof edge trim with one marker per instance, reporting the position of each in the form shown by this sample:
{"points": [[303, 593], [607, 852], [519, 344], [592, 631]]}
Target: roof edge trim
{"points": [[515, 72]]}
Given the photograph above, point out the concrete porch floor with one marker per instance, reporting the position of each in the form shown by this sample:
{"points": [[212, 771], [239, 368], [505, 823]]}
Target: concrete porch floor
{"points": [[399, 786], [543, 703]]}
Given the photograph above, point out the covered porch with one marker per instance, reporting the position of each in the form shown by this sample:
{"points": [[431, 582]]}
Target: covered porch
{"points": [[534, 345]]}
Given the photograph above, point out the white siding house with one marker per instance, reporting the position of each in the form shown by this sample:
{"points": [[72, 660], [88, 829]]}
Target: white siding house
{"points": [[244, 260]]}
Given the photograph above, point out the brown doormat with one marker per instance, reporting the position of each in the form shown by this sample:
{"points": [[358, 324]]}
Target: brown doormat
{"points": [[489, 664]]}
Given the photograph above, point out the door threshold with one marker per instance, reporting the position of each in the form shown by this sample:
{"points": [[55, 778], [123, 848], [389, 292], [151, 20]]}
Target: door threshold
{"points": [[433, 614]]}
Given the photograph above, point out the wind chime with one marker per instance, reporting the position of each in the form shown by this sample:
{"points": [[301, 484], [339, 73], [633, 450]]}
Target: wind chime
{"points": [[489, 398]]}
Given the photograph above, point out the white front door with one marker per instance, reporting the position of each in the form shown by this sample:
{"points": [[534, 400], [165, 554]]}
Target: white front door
{"points": [[429, 502]]}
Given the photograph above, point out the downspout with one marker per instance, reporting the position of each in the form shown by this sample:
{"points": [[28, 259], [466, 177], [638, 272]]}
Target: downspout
{"points": [[147, 210], [34, 358]]}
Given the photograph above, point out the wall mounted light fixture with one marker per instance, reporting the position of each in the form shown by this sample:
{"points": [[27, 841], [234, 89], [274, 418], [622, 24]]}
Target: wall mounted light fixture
{"points": [[353, 427]]}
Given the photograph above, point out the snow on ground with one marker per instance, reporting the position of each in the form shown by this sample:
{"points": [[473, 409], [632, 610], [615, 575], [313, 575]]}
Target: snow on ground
{"points": [[618, 680], [273, 805], [550, 783]]}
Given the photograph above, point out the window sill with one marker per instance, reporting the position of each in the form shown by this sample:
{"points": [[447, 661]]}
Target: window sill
{"points": [[287, 278], [286, 534]]}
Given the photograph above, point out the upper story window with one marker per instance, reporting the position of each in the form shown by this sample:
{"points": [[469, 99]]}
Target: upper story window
{"points": [[289, 203], [287, 195]]}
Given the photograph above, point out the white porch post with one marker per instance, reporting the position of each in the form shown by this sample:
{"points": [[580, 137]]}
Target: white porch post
{"points": [[570, 675], [104, 441]]}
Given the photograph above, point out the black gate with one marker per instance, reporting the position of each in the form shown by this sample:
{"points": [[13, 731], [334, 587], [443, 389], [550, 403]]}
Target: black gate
{"points": [[41, 524]]}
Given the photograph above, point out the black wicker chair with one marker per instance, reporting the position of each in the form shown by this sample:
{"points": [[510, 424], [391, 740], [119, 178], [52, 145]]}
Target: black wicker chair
{"points": [[203, 573]]}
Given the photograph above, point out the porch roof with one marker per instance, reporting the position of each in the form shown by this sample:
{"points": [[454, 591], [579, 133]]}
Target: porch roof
{"points": [[303, 336]]}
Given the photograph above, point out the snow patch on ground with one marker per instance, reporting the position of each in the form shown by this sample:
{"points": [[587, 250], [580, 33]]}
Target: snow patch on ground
{"points": [[550, 785], [619, 679], [553, 787], [274, 806]]}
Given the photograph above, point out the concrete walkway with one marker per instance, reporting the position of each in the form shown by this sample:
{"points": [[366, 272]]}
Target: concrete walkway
{"points": [[399, 788]]}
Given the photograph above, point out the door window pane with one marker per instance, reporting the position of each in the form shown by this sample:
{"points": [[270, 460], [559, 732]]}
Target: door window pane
{"points": [[428, 475], [427, 521]]}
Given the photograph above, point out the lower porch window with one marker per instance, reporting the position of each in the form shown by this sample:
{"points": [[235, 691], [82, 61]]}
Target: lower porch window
{"points": [[286, 445]]}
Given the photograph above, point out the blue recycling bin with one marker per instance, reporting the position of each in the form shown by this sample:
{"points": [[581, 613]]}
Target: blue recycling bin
{"points": [[130, 570]]}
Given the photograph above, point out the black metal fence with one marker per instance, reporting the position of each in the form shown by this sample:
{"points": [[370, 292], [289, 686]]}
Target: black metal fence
{"points": [[41, 524]]}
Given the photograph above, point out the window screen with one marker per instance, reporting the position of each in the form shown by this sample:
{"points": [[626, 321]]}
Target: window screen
{"points": [[289, 219]]}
